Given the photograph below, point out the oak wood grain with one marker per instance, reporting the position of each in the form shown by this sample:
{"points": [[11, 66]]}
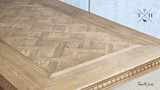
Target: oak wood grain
{"points": [[52, 39], [108, 67], [47, 44], [19, 70], [108, 26]]}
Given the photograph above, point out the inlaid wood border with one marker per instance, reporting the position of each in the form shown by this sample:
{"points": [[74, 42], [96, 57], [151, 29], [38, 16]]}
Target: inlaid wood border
{"points": [[119, 30], [117, 79], [6, 84]]}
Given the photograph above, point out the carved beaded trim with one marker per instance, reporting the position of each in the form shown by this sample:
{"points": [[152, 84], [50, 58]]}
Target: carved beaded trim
{"points": [[6, 84], [123, 76]]}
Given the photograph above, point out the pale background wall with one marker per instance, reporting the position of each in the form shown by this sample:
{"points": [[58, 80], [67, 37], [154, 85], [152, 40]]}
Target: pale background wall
{"points": [[125, 12]]}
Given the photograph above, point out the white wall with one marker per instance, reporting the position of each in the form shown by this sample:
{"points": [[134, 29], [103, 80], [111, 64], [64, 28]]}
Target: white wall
{"points": [[83, 4]]}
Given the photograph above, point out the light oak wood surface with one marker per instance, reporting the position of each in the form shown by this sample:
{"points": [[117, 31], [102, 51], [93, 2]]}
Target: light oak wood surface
{"points": [[47, 44], [106, 67], [54, 40]]}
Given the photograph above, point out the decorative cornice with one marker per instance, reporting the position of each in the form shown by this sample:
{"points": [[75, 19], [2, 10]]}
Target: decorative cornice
{"points": [[6, 84], [104, 84]]}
